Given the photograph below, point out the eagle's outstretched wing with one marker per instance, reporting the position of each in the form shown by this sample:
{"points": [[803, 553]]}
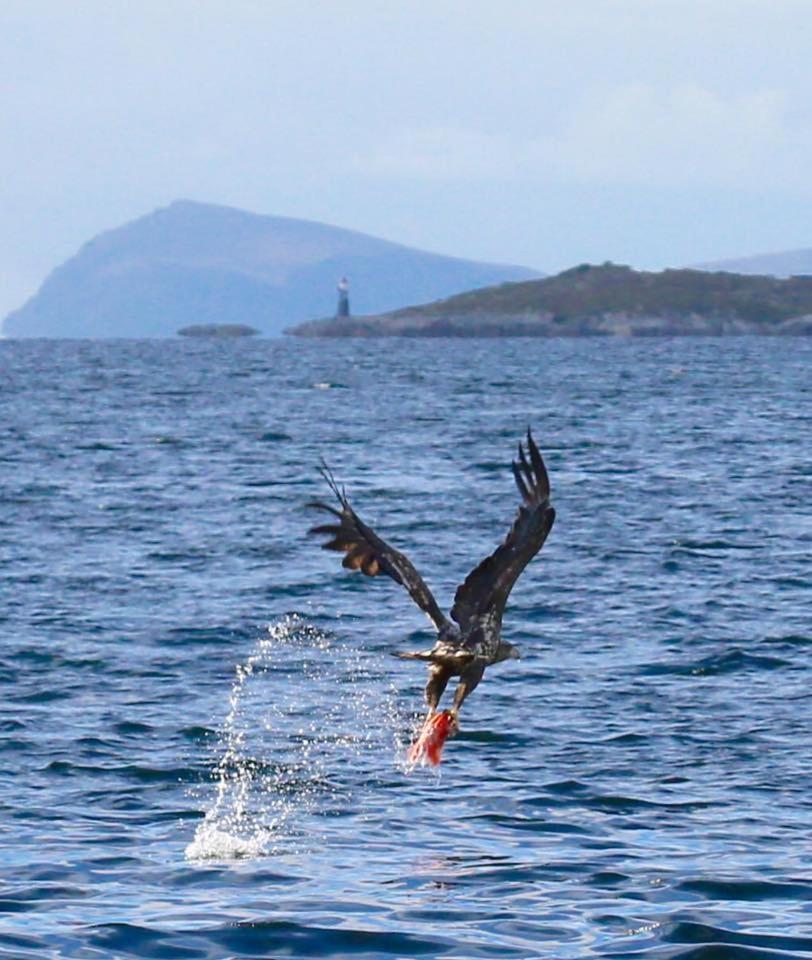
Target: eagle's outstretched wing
{"points": [[486, 588], [365, 551]]}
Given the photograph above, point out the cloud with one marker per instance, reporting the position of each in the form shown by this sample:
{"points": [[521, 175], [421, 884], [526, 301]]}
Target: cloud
{"points": [[669, 136], [439, 154]]}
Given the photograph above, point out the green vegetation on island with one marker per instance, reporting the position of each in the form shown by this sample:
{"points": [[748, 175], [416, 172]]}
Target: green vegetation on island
{"points": [[607, 300]]}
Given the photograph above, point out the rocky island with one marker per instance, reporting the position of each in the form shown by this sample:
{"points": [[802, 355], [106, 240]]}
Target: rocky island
{"points": [[607, 300], [220, 330]]}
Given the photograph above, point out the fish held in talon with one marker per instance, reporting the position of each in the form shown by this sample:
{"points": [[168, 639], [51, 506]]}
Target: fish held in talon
{"points": [[470, 639], [428, 747]]}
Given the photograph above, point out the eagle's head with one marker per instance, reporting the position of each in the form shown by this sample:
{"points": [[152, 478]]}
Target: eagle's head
{"points": [[506, 651]]}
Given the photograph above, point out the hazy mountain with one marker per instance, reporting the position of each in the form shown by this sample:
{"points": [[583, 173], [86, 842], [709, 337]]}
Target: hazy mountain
{"points": [[609, 300], [195, 263], [792, 263]]}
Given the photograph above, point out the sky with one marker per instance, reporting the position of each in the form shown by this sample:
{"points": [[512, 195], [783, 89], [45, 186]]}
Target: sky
{"points": [[649, 132]]}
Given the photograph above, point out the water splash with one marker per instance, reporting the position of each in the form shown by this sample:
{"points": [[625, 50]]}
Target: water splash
{"points": [[308, 721]]}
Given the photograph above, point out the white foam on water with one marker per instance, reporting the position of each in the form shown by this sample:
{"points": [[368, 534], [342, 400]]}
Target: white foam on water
{"points": [[308, 720]]}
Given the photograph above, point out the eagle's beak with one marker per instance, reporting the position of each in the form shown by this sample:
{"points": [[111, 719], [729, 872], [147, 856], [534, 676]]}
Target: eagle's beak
{"points": [[515, 654]]}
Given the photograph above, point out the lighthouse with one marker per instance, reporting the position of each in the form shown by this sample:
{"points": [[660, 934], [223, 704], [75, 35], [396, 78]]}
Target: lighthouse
{"points": [[343, 308]]}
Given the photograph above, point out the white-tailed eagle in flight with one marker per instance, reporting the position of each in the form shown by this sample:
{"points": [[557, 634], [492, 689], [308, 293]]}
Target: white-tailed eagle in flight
{"points": [[471, 640]]}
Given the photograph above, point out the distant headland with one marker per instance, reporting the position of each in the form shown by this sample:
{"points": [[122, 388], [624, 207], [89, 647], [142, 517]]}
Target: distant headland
{"points": [[606, 300], [200, 269], [198, 263]]}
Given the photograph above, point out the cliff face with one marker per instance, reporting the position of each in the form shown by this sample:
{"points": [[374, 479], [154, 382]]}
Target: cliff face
{"points": [[194, 263], [608, 300]]}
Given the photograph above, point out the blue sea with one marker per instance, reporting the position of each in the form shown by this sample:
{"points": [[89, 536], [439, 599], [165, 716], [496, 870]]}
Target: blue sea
{"points": [[202, 727]]}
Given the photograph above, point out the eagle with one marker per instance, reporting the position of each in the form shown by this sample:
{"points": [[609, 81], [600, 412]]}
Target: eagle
{"points": [[470, 639]]}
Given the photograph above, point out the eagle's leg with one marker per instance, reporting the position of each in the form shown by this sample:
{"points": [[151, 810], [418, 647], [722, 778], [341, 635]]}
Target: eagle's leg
{"points": [[469, 680], [439, 675]]}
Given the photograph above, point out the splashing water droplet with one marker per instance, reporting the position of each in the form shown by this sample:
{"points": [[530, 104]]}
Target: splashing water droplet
{"points": [[304, 709]]}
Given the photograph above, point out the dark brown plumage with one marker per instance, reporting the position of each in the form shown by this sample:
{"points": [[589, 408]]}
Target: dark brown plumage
{"points": [[472, 642]]}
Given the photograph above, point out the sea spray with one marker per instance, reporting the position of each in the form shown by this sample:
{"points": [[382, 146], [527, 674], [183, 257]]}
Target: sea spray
{"points": [[309, 719]]}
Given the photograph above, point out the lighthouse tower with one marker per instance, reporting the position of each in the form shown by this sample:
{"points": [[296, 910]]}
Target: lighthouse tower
{"points": [[343, 308]]}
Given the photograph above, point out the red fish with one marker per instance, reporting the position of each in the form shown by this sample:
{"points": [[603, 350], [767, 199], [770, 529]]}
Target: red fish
{"points": [[428, 747]]}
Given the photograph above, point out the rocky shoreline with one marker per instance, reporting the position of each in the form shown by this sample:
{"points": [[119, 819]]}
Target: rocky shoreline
{"points": [[601, 325]]}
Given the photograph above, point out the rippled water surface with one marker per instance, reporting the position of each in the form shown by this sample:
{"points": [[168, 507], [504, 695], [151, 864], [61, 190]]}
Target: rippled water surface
{"points": [[201, 724]]}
